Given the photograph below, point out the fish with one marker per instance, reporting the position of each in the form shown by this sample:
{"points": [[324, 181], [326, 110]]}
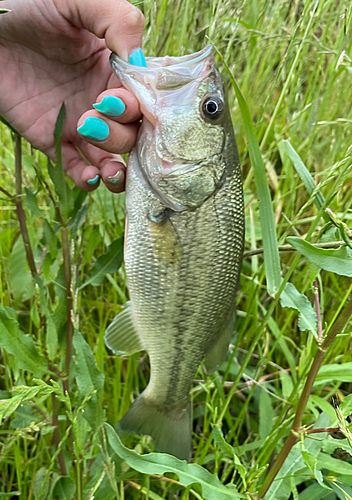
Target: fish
{"points": [[184, 239]]}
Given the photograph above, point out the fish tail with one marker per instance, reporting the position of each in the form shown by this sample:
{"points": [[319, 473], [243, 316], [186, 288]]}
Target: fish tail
{"points": [[171, 431]]}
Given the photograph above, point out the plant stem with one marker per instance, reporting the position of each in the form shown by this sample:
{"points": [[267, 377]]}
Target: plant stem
{"points": [[318, 310], [22, 217], [69, 331], [57, 435], [19, 207], [289, 248], [9, 195], [326, 429], [69, 334], [296, 427], [30, 259]]}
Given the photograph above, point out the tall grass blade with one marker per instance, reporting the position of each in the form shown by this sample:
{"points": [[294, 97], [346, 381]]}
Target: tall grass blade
{"points": [[266, 211], [304, 174]]}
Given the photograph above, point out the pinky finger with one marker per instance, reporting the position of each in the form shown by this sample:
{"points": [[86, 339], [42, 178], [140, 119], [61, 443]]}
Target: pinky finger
{"points": [[111, 167], [85, 176]]}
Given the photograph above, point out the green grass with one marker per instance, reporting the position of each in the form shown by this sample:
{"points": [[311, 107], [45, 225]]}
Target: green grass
{"points": [[293, 64]]}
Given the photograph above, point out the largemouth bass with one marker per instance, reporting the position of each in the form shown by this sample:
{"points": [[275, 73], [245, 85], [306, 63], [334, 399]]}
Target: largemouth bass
{"points": [[184, 238]]}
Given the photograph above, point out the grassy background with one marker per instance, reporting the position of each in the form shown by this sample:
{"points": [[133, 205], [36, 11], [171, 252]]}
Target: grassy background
{"points": [[292, 61]]}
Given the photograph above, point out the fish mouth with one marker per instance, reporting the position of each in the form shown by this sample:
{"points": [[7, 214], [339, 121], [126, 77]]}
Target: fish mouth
{"points": [[162, 62], [162, 75]]}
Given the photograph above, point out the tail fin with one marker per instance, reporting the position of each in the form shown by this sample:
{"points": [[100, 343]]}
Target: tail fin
{"points": [[171, 431]]}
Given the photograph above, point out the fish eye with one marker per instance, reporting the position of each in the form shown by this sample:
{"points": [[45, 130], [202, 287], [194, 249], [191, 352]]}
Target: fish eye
{"points": [[212, 107]]}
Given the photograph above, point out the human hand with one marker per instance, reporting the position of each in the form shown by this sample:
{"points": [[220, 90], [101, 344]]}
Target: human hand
{"points": [[52, 51]]}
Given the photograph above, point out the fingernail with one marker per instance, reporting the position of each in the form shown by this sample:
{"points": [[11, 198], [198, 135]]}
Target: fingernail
{"points": [[110, 106], [117, 178], [137, 58], [93, 181], [94, 128]]}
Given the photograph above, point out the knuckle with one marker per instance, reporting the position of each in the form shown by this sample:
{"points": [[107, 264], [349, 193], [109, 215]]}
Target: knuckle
{"points": [[133, 17]]}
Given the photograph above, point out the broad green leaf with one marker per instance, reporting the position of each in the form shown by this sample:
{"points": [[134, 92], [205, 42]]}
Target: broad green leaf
{"points": [[44, 484], [266, 211], [79, 219], [59, 127], [50, 238], [51, 337], [304, 173], [316, 492], [337, 261], [90, 381], [311, 462], [323, 405], [22, 394], [65, 489], [79, 197], [20, 345], [266, 414], [105, 491], [334, 465], [81, 428], [62, 190], [346, 491], [57, 173], [281, 487], [106, 264], [292, 298], [33, 204], [346, 479], [159, 463], [287, 384], [346, 406], [229, 451], [334, 372], [38, 483], [331, 444], [92, 241], [21, 280]]}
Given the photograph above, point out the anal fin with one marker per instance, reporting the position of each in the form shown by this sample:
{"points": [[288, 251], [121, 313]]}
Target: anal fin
{"points": [[121, 336]]}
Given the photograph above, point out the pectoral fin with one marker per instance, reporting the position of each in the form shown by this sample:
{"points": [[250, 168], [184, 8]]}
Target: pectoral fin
{"points": [[217, 352], [121, 336]]}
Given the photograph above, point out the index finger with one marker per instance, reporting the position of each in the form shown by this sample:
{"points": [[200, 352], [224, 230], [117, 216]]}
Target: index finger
{"points": [[118, 21]]}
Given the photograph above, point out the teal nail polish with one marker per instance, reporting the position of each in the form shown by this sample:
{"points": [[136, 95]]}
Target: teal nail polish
{"points": [[115, 179], [110, 106], [137, 58], [93, 181], [94, 128]]}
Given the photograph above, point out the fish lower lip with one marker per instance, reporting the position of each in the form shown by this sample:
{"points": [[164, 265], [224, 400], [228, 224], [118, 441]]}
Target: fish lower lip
{"points": [[169, 166]]}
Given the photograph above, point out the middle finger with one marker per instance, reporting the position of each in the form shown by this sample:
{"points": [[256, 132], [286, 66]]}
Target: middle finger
{"points": [[119, 105]]}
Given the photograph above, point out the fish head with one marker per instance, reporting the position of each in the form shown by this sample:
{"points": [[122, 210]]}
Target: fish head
{"points": [[181, 142]]}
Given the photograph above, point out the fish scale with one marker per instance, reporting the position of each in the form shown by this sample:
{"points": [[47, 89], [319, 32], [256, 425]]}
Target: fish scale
{"points": [[183, 248]]}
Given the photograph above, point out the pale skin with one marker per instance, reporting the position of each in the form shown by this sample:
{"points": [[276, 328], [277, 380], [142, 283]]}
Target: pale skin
{"points": [[55, 51]]}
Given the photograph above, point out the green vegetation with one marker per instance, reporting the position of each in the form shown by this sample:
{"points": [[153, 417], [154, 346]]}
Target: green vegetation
{"points": [[283, 396]]}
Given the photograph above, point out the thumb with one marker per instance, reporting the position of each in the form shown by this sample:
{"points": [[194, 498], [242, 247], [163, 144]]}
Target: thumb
{"points": [[118, 21]]}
